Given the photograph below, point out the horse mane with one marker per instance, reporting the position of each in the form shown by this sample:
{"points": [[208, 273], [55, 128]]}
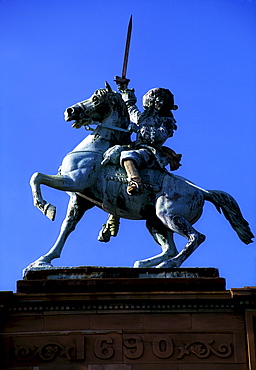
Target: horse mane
{"points": [[118, 103]]}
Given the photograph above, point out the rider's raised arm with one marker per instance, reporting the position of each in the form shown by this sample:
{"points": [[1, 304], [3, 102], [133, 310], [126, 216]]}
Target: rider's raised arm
{"points": [[130, 99]]}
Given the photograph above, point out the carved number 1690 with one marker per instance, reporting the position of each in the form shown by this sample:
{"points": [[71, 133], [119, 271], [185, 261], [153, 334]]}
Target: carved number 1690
{"points": [[133, 347]]}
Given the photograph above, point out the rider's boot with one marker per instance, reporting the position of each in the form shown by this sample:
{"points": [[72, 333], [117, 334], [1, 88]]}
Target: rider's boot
{"points": [[110, 228], [135, 186]]}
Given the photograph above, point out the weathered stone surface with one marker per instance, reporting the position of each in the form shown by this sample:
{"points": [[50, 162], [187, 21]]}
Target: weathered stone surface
{"points": [[91, 279], [94, 272], [128, 330]]}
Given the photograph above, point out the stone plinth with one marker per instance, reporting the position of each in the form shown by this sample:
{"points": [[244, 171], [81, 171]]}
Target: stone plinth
{"points": [[118, 279], [92, 318]]}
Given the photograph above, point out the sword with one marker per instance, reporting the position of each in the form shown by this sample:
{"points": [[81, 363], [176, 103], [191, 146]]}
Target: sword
{"points": [[123, 80]]}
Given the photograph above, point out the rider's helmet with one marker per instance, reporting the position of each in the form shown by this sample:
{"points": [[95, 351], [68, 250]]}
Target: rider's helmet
{"points": [[159, 93]]}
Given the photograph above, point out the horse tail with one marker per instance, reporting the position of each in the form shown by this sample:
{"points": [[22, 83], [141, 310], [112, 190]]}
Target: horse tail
{"points": [[226, 203]]}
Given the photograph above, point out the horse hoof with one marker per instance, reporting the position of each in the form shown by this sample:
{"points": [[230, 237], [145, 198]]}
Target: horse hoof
{"points": [[50, 211], [138, 264], [37, 264], [168, 264]]}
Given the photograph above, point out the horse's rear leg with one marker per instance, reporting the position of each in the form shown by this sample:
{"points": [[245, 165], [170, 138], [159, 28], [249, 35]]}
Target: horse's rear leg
{"points": [[164, 237], [181, 226], [76, 209]]}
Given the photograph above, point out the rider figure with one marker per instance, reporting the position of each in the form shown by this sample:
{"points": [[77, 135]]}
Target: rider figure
{"points": [[153, 127]]}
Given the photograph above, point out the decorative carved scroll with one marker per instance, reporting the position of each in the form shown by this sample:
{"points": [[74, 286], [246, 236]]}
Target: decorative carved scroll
{"points": [[155, 347], [203, 349], [47, 352]]}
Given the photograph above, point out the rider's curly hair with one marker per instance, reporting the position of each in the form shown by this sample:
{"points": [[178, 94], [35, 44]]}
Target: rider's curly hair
{"points": [[151, 95]]}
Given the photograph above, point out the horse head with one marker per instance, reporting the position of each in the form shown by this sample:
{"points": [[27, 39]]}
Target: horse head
{"points": [[100, 106]]}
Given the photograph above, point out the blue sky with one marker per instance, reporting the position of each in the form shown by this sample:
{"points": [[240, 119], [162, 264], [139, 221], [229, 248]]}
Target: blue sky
{"points": [[56, 53]]}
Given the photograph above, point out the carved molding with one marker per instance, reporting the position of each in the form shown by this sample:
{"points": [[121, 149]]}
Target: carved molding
{"points": [[115, 346], [123, 306], [203, 349], [46, 352]]}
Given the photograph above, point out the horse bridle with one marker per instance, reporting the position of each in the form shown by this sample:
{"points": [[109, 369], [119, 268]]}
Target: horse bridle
{"points": [[88, 127]]}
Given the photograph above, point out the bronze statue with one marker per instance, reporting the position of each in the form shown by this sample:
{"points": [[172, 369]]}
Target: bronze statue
{"points": [[129, 180]]}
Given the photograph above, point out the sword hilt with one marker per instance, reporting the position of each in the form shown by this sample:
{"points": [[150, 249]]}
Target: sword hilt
{"points": [[122, 82]]}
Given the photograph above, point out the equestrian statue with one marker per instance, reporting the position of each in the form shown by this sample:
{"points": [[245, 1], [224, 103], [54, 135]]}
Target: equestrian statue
{"points": [[129, 179], [99, 172]]}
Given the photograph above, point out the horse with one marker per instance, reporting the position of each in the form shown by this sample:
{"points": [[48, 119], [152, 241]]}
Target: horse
{"points": [[170, 203]]}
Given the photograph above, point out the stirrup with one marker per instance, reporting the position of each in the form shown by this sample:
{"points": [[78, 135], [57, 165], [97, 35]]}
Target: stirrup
{"points": [[135, 188]]}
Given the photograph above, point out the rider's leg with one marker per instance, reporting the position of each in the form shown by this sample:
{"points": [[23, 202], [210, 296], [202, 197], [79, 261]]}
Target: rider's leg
{"points": [[135, 184], [131, 160]]}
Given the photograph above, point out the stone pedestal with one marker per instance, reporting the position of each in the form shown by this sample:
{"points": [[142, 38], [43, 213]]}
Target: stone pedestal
{"points": [[92, 318]]}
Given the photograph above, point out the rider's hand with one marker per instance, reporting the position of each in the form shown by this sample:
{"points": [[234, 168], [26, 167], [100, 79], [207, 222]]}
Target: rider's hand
{"points": [[129, 96]]}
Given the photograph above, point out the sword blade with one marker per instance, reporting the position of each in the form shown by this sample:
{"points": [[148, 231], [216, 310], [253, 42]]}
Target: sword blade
{"points": [[127, 47]]}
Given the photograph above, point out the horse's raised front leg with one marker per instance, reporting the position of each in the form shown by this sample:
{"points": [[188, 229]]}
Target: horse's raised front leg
{"points": [[76, 209], [181, 226], [60, 182], [164, 237]]}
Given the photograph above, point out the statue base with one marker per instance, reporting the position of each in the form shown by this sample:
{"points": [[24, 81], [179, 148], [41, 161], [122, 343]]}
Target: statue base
{"points": [[113, 318], [90, 278]]}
